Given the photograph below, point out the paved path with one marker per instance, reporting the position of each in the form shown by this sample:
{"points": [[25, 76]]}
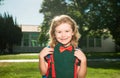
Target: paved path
{"points": [[37, 60], [106, 59]]}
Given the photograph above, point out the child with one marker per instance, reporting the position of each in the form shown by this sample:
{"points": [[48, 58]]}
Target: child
{"points": [[63, 42]]}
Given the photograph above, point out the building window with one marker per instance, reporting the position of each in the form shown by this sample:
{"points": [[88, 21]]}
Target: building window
{"points": [[91, 42], [95, 42], [33, 43], [84, 42], [34, 39], [98, 42], [25, 39]]}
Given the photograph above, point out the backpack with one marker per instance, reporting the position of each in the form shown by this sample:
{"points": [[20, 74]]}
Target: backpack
{"points": [[50, 61]]}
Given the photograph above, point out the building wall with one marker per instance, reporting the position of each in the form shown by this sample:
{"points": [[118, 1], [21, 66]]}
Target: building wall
{"points": [[30, 42], [107, 45], [30, 39]]}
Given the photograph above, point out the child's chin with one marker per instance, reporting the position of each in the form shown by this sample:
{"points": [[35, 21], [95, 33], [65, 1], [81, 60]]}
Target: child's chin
{"points": [[66, 44]]}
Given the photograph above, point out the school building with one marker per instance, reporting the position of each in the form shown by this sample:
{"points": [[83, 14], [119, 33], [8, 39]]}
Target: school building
{"points": [[30, 43]]}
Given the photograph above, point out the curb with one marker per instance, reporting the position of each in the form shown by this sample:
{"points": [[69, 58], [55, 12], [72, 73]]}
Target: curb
{"points": [[37, 60]]}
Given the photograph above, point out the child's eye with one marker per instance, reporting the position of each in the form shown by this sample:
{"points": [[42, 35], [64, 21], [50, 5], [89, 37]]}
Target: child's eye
{"points": [[59, 32], [67, 31]]}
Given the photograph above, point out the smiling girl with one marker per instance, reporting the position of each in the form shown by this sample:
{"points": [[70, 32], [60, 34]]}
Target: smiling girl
{"points": [[63, 42]]}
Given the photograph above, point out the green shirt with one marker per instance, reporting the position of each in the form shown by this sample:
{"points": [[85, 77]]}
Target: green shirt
{"points": [[64, 63]]}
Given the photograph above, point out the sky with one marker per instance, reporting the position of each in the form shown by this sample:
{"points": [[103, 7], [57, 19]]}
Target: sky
{"points": [[26, 12]]}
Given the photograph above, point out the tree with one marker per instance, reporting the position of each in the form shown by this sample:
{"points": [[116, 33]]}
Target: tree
{"points": [[49, 12], [43, 37], [10, 33], [1, 2], [95, 18], [101, 17]]}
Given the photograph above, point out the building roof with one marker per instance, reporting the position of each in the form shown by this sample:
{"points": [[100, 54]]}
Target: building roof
{"points": [[30, 28]]}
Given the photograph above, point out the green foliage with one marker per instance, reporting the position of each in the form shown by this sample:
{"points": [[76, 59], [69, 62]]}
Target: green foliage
{"points": [[10, 33], [50, 8], [43, 37], [95, 18], [1, 2]]}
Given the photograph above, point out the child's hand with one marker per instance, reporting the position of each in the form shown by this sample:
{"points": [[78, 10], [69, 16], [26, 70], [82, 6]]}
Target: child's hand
{"points": [[45, 52], [80, 55]]}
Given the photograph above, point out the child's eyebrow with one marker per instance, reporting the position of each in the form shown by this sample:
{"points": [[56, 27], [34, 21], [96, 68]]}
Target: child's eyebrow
{"points": [[58, 31]]}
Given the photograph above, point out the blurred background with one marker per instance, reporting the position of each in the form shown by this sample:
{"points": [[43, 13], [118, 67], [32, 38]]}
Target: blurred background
{"points": [[24, 29]]}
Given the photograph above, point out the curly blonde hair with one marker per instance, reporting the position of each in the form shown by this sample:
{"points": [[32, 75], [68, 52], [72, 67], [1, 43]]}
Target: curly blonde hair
{"points": [[56, 21]]}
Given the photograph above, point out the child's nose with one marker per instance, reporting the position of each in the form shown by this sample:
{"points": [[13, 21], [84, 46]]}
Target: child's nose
{"points": [[63, 34]]}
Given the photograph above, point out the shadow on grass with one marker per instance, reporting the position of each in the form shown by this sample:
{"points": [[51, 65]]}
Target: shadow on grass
{"points": [[104, 65]]}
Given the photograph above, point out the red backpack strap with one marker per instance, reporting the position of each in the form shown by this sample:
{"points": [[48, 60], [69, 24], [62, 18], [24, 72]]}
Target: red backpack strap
{"points": [[53, 67], [50, 61], [75, 68]]}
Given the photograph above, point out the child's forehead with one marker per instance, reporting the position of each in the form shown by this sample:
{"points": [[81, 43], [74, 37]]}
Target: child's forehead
{"points": [[64, 26]]}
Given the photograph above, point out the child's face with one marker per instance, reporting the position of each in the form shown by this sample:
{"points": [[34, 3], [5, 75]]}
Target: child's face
{"points": [[64, 33]]}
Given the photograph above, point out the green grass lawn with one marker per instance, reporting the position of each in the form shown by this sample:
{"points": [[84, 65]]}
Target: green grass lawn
{"points": [[18, 56], [30, 70], [103, 70], [19, 70], [90, 55]]}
